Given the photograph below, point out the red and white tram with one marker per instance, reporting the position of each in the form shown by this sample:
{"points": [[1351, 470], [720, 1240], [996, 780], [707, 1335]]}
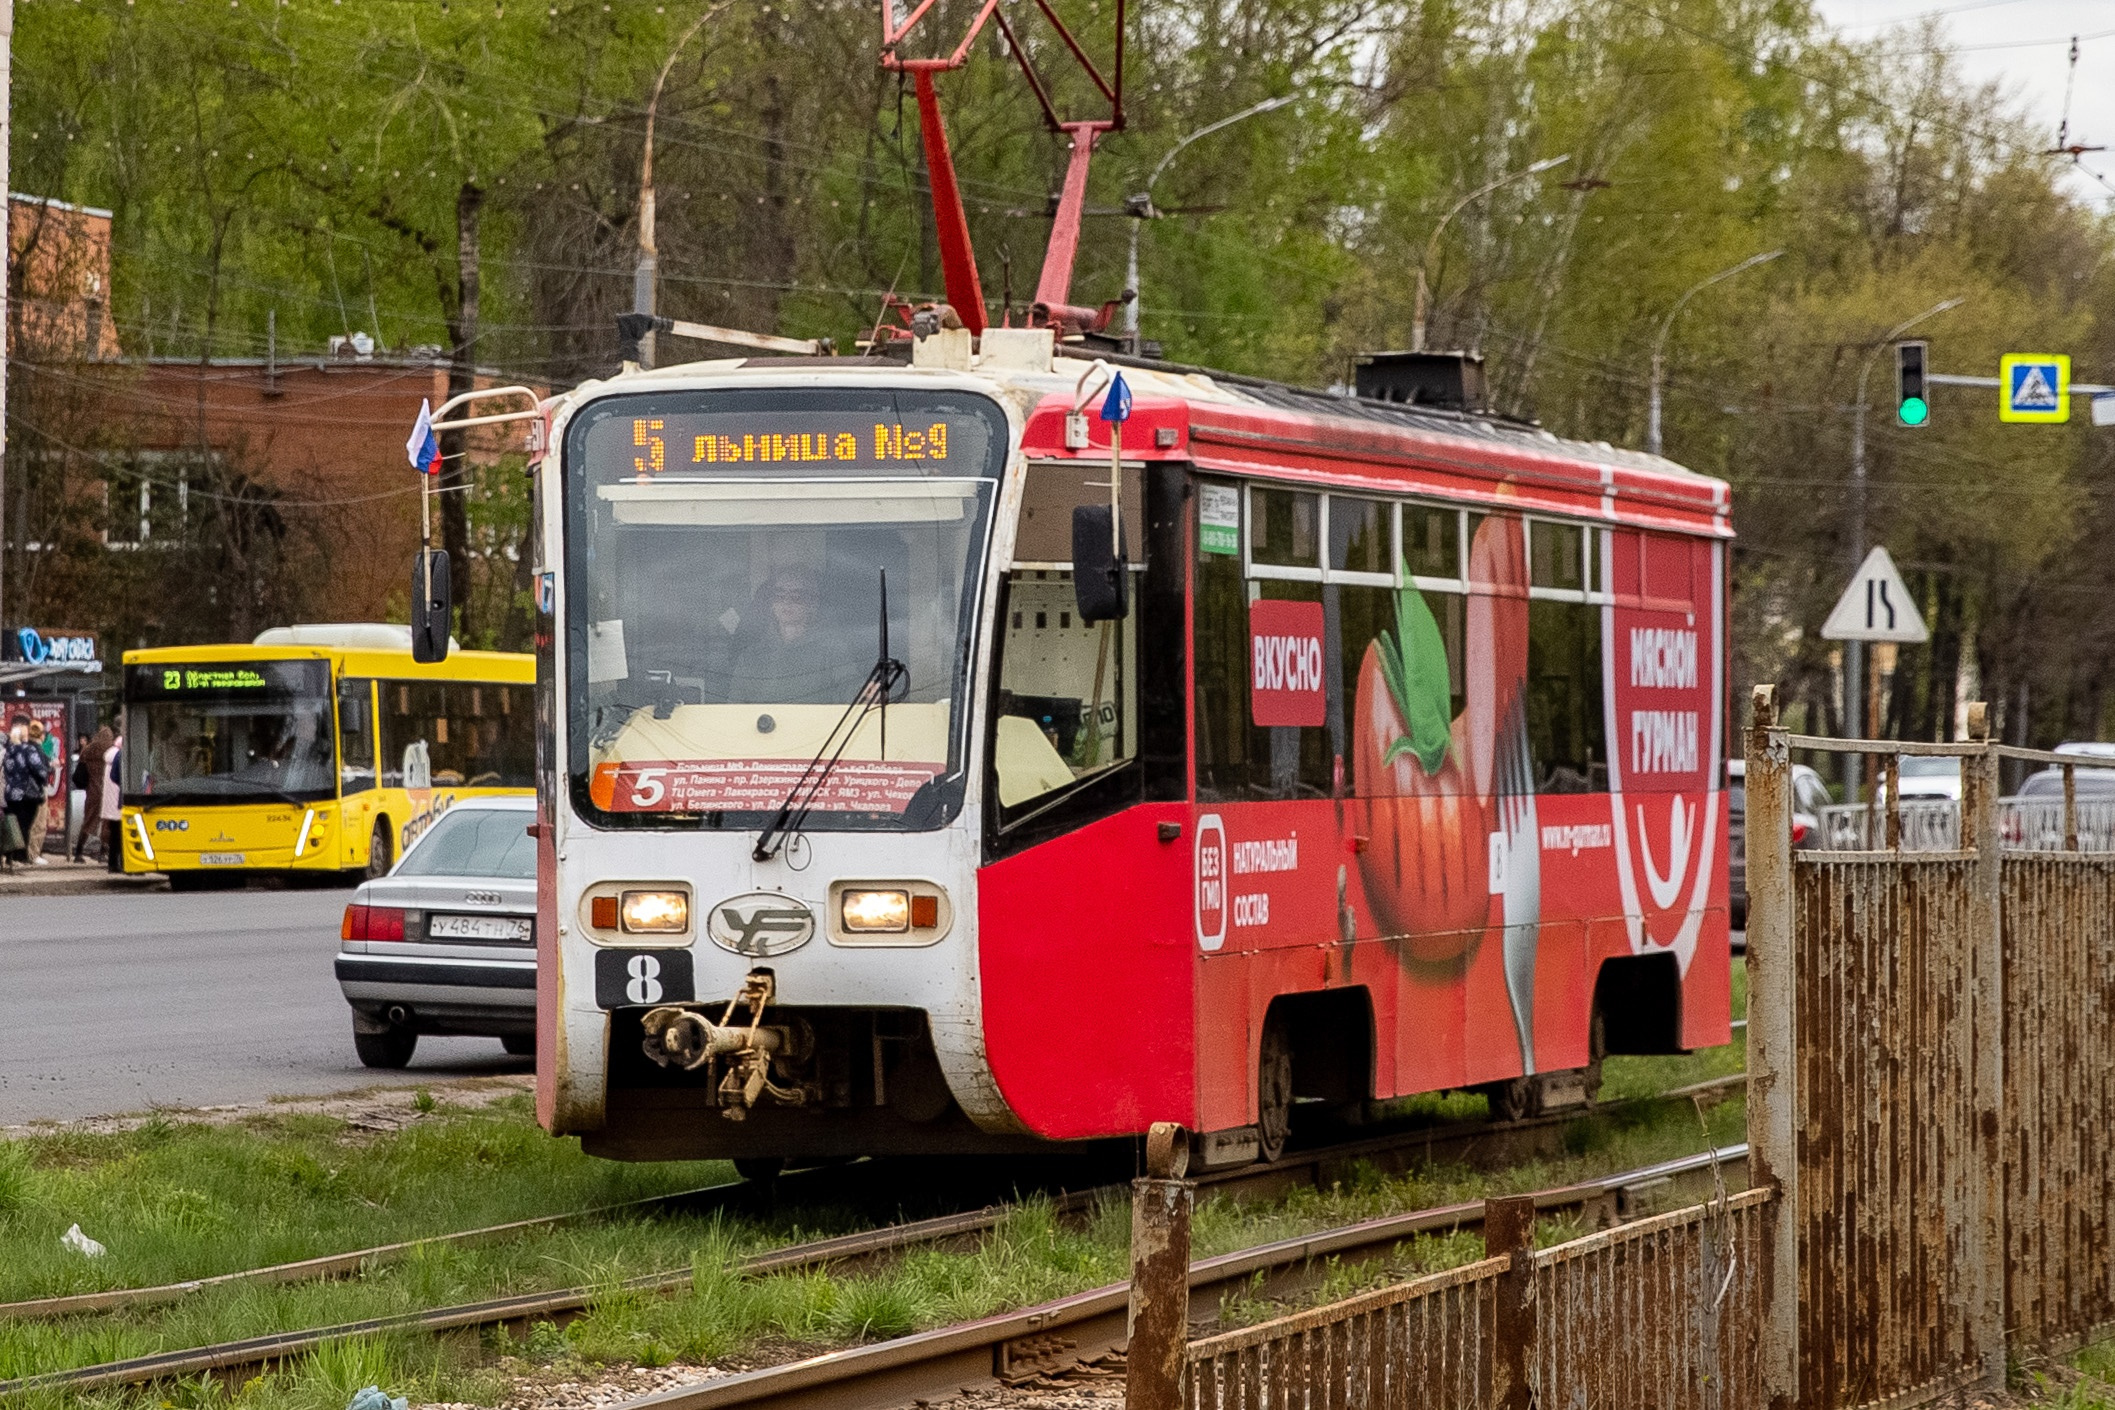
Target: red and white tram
{"points": [[1398, 772]]}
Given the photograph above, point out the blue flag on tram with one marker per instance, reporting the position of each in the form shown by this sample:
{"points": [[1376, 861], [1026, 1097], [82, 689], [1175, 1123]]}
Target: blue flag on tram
{"points": [[1117, 405]]}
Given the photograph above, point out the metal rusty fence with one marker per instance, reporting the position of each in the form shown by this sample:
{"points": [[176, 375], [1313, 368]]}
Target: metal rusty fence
{"points": [[1659, 1313], [1932, 1069]]}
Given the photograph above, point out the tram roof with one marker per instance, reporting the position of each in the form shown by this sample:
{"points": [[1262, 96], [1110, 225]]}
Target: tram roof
{"points": [[1242, 425]]}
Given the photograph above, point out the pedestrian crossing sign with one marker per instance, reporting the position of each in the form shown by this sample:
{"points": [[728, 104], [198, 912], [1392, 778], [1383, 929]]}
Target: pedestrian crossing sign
{"points": [[2034, 387]]}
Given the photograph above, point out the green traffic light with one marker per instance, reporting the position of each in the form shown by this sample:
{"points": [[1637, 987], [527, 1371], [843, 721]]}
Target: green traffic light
{"points": [[1913, 411]]}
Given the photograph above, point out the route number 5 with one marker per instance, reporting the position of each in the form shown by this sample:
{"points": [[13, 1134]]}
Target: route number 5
{"points": [[647, 788]]}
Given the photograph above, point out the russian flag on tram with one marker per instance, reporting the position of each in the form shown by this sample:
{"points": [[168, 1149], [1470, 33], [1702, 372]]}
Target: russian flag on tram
{"points": [[424, 447]]}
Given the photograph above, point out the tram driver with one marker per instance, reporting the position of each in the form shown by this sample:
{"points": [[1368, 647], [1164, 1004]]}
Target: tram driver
{"points": [[792, 657]]}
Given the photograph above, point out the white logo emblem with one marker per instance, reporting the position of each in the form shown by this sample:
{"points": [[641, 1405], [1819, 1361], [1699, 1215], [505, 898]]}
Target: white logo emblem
{"points": [[761, 923], [1668, 889], [644, 986]]}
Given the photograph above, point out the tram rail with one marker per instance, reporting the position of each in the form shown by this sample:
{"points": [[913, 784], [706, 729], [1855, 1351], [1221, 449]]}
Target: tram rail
{"points": [[916, 1355]]}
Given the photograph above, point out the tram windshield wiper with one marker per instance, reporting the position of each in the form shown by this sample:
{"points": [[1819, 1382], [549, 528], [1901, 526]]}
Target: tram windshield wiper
{"points": [[885, 678]]}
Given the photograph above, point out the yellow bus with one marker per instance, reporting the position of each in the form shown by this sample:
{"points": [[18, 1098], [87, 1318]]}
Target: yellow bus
{"points": [[314, 749]]}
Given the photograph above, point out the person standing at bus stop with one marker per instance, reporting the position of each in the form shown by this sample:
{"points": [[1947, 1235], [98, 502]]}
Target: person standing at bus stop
{"points": [[24, 774], [88, 777], [113, 814], [48, 744]]}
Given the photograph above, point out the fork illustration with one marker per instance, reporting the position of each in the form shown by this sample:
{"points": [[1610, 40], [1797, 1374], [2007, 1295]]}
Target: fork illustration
{"points": [[1522, 885]]}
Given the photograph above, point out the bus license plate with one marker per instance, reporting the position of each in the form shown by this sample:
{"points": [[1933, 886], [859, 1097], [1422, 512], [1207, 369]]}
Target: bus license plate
{"points": [[220, 859], [478, 928]]}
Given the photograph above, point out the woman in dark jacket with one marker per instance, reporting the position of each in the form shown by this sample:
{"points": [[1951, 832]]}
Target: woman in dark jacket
{"points": [[24, 776]]}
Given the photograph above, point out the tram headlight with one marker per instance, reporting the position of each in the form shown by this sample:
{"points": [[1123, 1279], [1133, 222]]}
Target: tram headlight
{"points": [[654, 912], [876, 912]]}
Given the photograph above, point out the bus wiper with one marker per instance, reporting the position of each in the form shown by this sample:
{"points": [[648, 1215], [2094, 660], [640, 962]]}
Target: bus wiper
{"points": [[885, 678], [246, 795]]}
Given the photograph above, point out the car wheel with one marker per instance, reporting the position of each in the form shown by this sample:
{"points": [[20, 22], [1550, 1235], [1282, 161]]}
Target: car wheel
{"points": [[391, 1048], [759, 1169], [1274, 1094], [519, 1044], [381, 853]]}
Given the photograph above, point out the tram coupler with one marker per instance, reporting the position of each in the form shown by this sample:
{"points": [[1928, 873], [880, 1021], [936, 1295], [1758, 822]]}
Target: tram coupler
{"points": [[686, 1038], [758, 1058]]}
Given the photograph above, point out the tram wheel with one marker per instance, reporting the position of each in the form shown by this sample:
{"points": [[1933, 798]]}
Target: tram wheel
{"points": [[1511, 1100], [1274, 1090]]}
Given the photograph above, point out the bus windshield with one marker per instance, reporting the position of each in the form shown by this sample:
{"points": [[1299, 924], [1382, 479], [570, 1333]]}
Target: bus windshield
{"points": [[729, 555], [216, 731]]}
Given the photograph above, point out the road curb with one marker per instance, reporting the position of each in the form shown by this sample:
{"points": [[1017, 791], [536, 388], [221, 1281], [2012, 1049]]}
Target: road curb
{"points": [[17, 884]]}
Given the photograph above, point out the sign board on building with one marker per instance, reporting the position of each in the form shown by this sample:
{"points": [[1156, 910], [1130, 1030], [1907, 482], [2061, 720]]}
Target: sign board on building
{"points": [[1876, 606], [42, 645]]}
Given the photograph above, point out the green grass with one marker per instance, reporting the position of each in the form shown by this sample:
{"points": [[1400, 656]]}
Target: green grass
{"points": [[175, 1200]]}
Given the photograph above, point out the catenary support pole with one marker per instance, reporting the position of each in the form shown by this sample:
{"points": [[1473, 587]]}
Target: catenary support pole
{"points": [[7, 254]]}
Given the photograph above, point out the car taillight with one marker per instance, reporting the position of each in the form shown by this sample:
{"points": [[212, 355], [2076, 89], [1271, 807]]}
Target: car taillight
{"points": [[1799, 833], [372, 923]]}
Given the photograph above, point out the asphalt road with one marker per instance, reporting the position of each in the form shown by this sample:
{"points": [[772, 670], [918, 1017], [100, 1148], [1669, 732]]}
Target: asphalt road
{"points": [[119, 1003]]}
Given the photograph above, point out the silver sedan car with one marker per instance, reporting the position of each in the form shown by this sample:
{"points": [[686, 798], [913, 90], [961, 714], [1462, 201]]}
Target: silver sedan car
{"points": [[446, 942]]}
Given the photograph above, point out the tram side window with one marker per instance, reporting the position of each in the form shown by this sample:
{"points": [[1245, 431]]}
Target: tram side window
{"points": [[1567, 730], [1238, 759], [356, 736], [457, 734], [1068, 690]]}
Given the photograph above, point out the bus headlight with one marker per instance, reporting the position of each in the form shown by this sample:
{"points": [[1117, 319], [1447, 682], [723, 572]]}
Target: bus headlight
{"points": [[654, 912], [876, 912]]}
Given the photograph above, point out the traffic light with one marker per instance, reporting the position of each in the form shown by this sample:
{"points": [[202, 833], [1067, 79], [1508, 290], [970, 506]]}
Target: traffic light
{"points": [[1911, 407]]}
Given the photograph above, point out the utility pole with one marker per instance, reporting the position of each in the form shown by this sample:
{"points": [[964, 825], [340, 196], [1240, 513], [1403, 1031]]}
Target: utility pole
{"points": [[645, 273], [1659, 344], [1141, 209], [1854, 686], [1424, 291], [7, 255]]}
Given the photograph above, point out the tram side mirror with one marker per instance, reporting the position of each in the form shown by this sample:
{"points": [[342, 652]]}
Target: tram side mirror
{"points": [[432, 604], [1100, 582]]}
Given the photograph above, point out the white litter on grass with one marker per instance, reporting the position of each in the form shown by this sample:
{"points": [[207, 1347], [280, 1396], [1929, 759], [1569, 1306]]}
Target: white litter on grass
{"points": [[373, 1398], [80, 1243]]}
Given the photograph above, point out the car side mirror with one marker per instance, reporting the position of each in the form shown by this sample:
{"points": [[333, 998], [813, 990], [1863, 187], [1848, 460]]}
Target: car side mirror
{"points": [[1101, 582], [432, 605]]}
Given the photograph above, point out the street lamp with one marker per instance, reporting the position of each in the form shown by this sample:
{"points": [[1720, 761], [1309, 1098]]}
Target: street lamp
{"points": [[644, 271], [1854, 651], [1659, 344], [1142, 207], [1424, 292]]}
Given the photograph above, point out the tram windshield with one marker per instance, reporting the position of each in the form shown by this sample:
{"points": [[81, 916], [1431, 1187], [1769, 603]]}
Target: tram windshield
{"points": [[729, 557]]}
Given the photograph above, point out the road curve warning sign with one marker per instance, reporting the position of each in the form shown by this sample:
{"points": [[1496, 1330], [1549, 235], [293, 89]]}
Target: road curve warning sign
{"points": [[2034, 387], [1876, 606]]}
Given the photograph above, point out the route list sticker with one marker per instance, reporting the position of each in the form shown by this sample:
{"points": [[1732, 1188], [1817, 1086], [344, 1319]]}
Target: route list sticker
{"points": [[754, 785], [1218, 519]]}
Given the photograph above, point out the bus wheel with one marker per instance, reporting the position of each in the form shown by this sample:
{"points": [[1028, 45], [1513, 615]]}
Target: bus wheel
{"points": [[390, 1048], [1274, 1090], [759, 1169], [380, 852]]}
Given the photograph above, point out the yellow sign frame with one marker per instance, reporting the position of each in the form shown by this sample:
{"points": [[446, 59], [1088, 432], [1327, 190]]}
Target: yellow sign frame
{"points": [[2061, 362]]}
